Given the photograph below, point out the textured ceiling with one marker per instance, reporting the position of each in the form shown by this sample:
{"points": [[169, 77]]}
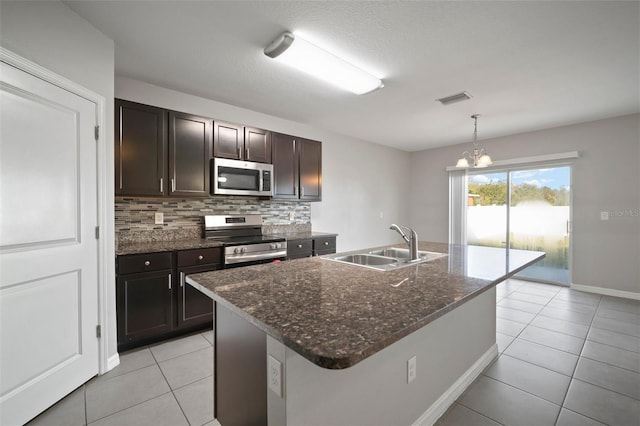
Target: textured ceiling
{"points": [[528, 65]]}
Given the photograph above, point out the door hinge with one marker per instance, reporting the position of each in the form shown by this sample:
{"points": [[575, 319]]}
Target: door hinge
{"points": [[98, 331], [97, 132], [97, 232]]}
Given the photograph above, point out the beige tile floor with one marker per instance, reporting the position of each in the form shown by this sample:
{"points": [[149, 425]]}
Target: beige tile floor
{"points": [[566, 358]]}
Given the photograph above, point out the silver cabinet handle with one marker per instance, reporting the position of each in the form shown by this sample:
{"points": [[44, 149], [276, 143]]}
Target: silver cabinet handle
{"points": [[147, 263], [200, 257], [173, 185], [301, 191], [247, 152], [161, 185], [239, 153], [169, 281], [182, 275]]}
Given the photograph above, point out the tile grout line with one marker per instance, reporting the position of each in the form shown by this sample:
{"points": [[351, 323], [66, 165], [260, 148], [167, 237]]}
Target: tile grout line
{"points": [[134, 405]]}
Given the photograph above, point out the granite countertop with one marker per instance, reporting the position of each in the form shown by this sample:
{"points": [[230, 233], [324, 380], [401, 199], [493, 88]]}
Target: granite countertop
{"points": [[336, 315], [304, 235], [138, 247], [160, 246]]}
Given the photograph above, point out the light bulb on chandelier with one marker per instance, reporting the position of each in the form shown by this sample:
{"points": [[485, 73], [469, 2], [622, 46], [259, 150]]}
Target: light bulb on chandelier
{"points": [[478, 156]]}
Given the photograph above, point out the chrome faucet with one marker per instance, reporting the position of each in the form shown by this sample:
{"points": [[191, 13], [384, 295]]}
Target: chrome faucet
{"points": [[411, 241]]}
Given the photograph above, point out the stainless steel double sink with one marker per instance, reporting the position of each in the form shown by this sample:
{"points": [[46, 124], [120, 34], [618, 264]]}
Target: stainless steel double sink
{"points": [[388, 259]]}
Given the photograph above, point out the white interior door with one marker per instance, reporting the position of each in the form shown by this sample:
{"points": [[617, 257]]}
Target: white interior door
{"points": [[48, 250]]}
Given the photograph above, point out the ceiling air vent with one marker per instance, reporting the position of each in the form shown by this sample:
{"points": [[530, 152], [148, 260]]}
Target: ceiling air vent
{"points": [[462, 96]]}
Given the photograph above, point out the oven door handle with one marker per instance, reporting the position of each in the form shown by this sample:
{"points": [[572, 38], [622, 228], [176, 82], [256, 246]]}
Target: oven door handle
{"points": [[250, 257]]}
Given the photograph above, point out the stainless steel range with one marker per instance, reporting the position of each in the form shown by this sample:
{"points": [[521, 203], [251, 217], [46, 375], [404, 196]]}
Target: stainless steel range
{"points": [[243, 241]]}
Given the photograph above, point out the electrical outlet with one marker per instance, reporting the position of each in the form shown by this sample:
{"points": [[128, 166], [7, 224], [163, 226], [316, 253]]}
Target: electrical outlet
{"points": [[604, 215], [292, 215], [381, 215], [159, 218], [411, 369], [275, 376]]}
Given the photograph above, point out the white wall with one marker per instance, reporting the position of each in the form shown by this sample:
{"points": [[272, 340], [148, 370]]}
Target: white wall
{"points": [[359, 179], [50, 34], [606, 177]]}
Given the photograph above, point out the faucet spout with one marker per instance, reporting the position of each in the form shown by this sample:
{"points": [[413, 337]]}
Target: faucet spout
{"points": [[411, 241], [395, 227]]}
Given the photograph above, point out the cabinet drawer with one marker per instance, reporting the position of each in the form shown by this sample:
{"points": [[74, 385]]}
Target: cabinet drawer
{"points": [[134, 263], [199, 256], [299, 248], [324, 245]]}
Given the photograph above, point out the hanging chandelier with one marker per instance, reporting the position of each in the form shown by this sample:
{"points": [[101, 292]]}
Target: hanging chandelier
{"points": [[478, 156]]}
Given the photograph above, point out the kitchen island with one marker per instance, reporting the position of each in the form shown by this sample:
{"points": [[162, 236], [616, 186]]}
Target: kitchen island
{"points": [[314, 341]]}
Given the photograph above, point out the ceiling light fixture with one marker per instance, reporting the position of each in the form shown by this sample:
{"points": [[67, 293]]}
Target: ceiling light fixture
{"points": [[297, 52], [478, 156]]}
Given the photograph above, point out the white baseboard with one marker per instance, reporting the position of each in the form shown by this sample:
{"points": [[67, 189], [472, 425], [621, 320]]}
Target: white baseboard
{"points": [[112, 362], [606, 291], [445, 401]]}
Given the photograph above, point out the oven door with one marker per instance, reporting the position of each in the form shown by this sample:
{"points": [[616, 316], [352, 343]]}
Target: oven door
{"points": [[252, 254], [233, 177]]}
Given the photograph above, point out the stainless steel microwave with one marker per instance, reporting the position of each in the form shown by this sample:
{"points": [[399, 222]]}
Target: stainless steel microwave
{"points": [[236, 177]]}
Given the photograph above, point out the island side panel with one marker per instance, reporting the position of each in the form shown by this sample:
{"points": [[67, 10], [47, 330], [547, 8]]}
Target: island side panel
{"points": [[240, 370], [375, 391]]}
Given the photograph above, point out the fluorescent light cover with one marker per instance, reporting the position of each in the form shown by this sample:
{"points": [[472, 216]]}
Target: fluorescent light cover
{"points": [[299, 53]]}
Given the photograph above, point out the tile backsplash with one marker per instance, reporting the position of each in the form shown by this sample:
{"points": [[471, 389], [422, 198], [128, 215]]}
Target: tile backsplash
{"points": [[184, 218]]}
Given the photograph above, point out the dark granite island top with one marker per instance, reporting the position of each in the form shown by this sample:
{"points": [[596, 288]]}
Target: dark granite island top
{"points": [[336, 315]]}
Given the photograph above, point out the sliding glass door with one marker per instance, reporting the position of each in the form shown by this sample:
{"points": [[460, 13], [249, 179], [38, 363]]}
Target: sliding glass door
{"points": [[525, 209]]}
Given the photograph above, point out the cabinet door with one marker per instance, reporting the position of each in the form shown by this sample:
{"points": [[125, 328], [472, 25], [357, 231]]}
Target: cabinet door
{"points": [[285, 166], [228, 140], [324, 245], [144, 305], [194, 307], [189, 154], [310, 153], [257, 145], [297, 249], [140, 149]]}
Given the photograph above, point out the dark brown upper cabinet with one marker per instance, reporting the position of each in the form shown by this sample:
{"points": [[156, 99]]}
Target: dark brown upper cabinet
{"points": [[140, 149], [160, 152], [190, 142], [297, 168], [237, 142]]}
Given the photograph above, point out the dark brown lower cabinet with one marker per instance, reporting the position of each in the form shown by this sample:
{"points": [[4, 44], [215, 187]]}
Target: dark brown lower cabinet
{"points": [[194, 307], [145, 305], [153, 300], [324, 245], [306, 247], [297, 249]]}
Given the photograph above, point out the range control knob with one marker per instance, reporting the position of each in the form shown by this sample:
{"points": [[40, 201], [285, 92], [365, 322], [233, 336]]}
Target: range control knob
{"points": [[243, 250], [236, 250]]}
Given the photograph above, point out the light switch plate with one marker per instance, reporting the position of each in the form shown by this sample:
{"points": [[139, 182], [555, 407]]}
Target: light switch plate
{"points": [[292, 215], [159, 218], [604, 215], [275, 376]]}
